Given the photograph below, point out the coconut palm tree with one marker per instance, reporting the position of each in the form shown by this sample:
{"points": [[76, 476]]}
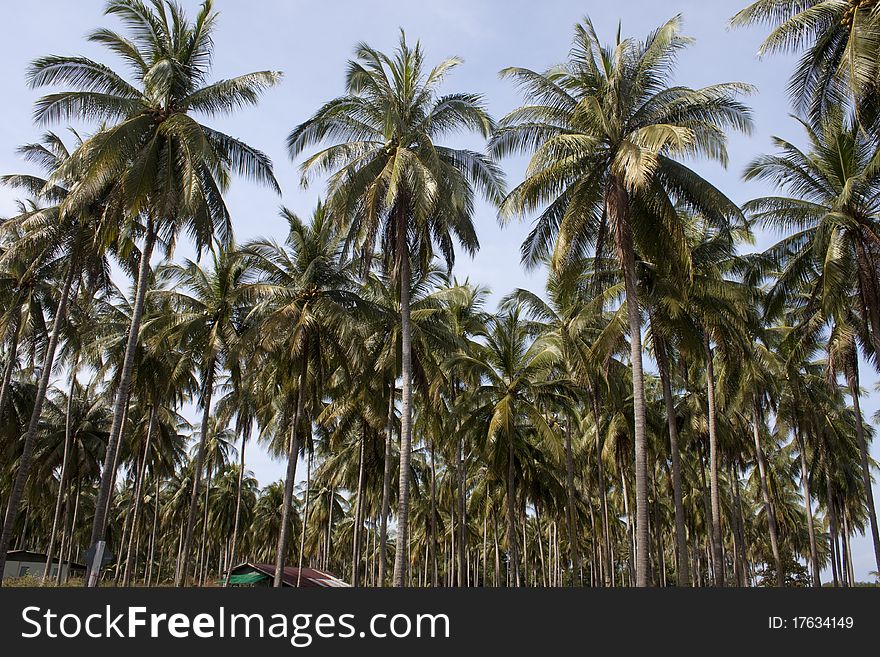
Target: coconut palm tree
{"points": [[393, 182], [240, 404], [604, 129], [304, 298], [510, 405], [163, 171], [826, 265], [50, 233], [208, 310], [838, 41]]}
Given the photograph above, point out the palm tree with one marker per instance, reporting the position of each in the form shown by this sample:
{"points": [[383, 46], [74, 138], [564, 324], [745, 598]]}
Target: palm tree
{"points": [[304, 298], [510, 405], [164, 171], [241, 403], [163, 377], [605, 128], [206, 320], [839, 44], [463, 304], [588, 339], [827, 263], [27, 286], [50, 234], [393, 182]]}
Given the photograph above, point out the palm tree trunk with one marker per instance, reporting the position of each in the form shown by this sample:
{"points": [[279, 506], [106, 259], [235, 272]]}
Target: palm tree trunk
{"points": [[736, 529], [606, 554], [180, 578], [768, 503], [852, 377], [204, 552], [302, 539], [386, 487], [460, 474], [356, 524], [72, 527], [237, 512], [740, 556], [62, 543], [153, 534], [30, 437], [62, 480], [99, 523], [617, 202], [714, 489], [682, 571], [808, 507], [707, 506], [630, 533], [433, 524], [405, 405], [513, 554], [571, 512], [290, 476], [483, 581], [129, 559]]}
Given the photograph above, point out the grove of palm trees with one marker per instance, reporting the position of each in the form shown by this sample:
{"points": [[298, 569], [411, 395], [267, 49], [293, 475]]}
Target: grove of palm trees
{"points": [[675, 407]]}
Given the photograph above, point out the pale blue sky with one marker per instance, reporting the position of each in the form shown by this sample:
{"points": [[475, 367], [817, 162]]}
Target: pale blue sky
{"points": [[311, 42]]}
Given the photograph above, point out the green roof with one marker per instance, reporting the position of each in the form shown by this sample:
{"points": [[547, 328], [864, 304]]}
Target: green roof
{"points": [[248, 578]]}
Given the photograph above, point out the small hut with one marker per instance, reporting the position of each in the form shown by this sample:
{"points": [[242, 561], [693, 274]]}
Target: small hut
{"points": [[25, 563], [263, 574]]}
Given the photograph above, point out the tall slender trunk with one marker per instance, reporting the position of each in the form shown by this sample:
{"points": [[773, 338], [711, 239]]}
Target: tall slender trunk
{"points": [[400, 554], [682, 569], [768, 503], [852, 378], [30, 437], [513, 553], [99, 523], [153, 532], [124, 538], [433, 524], [356, 524], [606, 555], [62, 479], [836, 569], [630, 533], [618, 208], [302, 539], [204, 551], [740, 523], [237, 512], [808, 508], [707, 508], [848, 549], [65, 524], [290, 476], [129, 559], [182, 575], [386, 486], [714, 488], [497, 579], [460, 474], [482, 582], [69, 553], [329, 528], [738, 535], [571, 512]]}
